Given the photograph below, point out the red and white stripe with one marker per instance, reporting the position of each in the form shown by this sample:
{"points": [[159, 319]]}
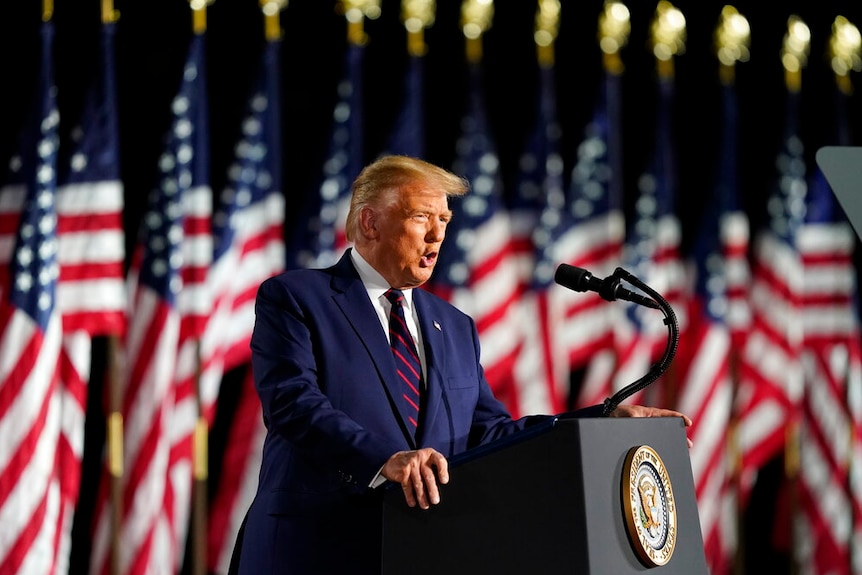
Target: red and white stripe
{"points": [[831, 361], [91, 295]]}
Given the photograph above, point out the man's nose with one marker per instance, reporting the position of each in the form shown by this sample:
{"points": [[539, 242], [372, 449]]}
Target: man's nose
{"points": [[437, 231]]}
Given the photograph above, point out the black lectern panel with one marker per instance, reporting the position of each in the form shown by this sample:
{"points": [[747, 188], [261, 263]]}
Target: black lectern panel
{"points": [[546, 502]]}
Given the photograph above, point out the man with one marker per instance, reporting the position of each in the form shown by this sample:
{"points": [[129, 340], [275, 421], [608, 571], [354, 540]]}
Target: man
{"points": [[344, 412]]}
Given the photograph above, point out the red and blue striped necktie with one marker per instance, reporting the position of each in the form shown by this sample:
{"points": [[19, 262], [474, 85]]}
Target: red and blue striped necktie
{"points": [[407, 362]]}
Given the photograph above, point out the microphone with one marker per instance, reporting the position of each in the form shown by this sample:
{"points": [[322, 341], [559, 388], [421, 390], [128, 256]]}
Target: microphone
{"points": [[579, 279]]}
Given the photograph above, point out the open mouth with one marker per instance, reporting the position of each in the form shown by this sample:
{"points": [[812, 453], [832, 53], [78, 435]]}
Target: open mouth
{"points": [[429, 259]]}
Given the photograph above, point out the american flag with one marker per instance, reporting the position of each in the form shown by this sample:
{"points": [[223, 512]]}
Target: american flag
{"points": [[824, 526], [35, 505], [539, 219], [91, 293], [596, 238], [770, 378], [319, 238], [705, 354], [652, 254], [476, 271], [249, 247], [169, 307]]}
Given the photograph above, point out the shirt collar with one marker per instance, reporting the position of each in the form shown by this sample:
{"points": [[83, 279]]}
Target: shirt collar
{"points": [[374, 282]]}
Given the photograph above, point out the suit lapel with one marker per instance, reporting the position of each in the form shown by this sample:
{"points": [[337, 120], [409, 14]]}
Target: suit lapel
{"points": [[432, 337], [352, 298]]}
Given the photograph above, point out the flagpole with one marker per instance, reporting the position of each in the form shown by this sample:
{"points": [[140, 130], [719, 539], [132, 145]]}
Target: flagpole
{"points": [[667, 33], [114, 420], [732, 37], [546, 29], [200, 447], [614, 29], [416, 16], [794, 57], [109, 14], [271, 18], [667, 38], [355, 12], [115, 450], [476, 17]]}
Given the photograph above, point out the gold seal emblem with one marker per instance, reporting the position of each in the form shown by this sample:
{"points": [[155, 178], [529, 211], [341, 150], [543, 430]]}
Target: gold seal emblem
{"points": [[648, 506]]}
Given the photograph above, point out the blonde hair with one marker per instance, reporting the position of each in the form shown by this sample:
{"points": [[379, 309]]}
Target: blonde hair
{"points": [[396, 174]]}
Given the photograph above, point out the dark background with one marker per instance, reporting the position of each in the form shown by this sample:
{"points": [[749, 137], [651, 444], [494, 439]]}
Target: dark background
{"points": [[153, 36]]}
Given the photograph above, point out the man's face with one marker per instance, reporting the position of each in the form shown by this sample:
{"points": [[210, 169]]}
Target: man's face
{"points": [[410, 230]]}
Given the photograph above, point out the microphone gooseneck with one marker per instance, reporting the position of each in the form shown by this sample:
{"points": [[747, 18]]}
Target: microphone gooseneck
{"points": [[579, 279]]}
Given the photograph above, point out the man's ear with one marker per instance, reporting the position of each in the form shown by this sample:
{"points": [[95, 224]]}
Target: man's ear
{"points": [[368, 222]]}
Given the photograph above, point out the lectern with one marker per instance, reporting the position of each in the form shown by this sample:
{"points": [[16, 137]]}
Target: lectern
{"points": [[574, 496]]}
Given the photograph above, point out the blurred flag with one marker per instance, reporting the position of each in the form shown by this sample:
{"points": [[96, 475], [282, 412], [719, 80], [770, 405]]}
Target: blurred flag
{"points": [[91, 292], [476, 271], [539, 219], [319, 237], [36, 504], [249, 247], [770, 383], [169, 307], [832, 364], [705, 355], [652, 254], [596, 239]]}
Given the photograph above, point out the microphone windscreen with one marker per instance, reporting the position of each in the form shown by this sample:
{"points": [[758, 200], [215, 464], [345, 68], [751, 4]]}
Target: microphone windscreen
{"points": [[572, 277]]}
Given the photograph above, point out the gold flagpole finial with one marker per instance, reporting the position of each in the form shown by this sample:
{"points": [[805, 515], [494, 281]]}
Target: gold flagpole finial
{"points": [[417, 15], [732, 38], [271, 11], [356, 11], [845, 44], [199, 15], [109, 14], [667, 34], [614, 29], [47, 10], [547, 28], [794, 52], [476, 17]]}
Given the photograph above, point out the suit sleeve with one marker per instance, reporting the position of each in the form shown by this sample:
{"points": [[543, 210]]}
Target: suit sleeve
{"points": [[294, 406]]}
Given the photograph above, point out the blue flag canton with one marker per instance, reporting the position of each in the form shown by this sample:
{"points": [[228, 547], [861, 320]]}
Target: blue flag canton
{"points": [[254, 173], [710, 260], [711, 264], [93, 153], [589, 188], [180, 168], [478, 162], [342, 164], [554, 221], [786, 205], [540, 183], [35, 269]]}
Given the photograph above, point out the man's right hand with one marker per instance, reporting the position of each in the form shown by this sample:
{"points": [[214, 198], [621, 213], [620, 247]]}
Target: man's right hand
{"points": [[418, 473]]}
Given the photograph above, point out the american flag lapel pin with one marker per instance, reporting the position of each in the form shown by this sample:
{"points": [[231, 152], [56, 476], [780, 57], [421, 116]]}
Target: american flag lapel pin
{"points": [[437, 325]]}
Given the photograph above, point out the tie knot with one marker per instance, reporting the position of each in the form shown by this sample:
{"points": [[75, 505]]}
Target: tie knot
{"points": [[394, 296]]}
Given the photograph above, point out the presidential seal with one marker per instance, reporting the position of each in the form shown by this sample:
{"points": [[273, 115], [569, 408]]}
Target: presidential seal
{"points": [[648, 506]]}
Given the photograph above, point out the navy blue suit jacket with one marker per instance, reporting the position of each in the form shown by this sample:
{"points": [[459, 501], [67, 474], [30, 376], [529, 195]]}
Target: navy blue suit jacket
{"points": [[326, 379]]}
